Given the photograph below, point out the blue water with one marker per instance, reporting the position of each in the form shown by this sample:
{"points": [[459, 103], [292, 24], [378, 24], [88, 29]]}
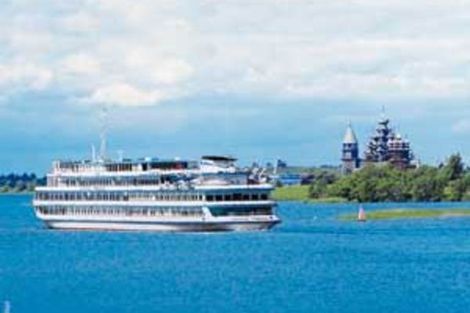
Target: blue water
{"points": [[310, 263]]}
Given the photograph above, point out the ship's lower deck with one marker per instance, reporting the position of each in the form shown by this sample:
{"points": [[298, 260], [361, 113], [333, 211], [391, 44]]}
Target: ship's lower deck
{"points": [[241, 217]]}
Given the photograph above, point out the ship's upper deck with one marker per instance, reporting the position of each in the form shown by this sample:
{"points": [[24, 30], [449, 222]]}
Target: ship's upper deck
{"points": [[210, 172], [209, 164]]}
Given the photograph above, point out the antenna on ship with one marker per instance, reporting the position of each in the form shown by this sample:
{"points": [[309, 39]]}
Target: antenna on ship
{"points": [[93, 153], [103, 132]]}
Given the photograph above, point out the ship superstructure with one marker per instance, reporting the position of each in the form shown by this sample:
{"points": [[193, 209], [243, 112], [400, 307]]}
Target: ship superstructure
{"points": [[156, 195]]}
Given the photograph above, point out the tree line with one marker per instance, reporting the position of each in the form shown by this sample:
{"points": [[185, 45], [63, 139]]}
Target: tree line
{"points": [[20, 182], [447, 182]]}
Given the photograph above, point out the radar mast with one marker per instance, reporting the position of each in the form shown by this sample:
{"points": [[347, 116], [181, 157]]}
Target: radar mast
{"points": [[103, 132]]}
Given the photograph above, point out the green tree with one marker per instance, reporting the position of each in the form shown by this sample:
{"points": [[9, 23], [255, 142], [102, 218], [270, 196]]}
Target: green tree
{"points": [[318, 188], [454, 168], [455, 190], [20, 186], [341, 188], [428, 184]]}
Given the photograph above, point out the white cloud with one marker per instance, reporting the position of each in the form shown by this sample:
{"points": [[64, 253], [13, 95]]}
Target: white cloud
{"points": [[302, 48], [79, 22], [80, 64], [156, 69], [24, 76], [124, 94]]}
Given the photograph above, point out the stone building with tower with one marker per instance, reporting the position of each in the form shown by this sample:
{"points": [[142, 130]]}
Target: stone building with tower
{"points": [[385, 146]]}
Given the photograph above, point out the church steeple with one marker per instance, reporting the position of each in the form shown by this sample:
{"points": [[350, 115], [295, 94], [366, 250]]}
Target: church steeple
{"points": [[350, 151], [350, 136]]}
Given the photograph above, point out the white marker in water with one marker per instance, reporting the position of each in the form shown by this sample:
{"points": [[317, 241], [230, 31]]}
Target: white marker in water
{"points": [[361, 215]]}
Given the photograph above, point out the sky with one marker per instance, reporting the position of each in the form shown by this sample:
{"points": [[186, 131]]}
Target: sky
{"points": [[257, 79]]}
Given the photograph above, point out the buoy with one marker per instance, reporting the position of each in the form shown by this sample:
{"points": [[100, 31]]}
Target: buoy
{"points": [[361, 215]]}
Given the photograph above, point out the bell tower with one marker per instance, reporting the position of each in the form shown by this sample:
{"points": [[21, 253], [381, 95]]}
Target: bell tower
{"points": [[350, 152]]}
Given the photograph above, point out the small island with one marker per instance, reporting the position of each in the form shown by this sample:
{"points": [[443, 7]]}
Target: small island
{"points": [[387, 171], [395, 214]]}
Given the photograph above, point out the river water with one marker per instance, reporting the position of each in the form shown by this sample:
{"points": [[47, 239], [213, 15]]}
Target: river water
{"points": [[312, 262]]}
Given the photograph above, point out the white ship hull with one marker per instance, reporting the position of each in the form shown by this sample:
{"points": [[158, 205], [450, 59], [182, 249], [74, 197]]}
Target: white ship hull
{"points": [[154, 195], [174, 226]]}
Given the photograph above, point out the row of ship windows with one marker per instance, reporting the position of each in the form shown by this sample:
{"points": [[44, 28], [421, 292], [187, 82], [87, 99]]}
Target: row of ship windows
{"points": [[120, 167], [110, 196], [114, 196], [241, 211], [54, 181], [143, 211], [237, 197], [117, 211]]}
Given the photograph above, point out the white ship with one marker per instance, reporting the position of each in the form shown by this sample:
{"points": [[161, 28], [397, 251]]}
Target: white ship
{"points": [[155, 195]]}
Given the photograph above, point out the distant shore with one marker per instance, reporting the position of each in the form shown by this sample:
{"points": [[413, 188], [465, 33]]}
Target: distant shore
{"points": [[302, 193]]}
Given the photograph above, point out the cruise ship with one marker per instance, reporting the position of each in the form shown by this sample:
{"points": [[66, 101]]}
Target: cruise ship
{"points": [[150, 194]]}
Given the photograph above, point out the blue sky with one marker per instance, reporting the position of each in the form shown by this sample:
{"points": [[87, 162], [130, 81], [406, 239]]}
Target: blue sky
{"points": [[259, 79]]}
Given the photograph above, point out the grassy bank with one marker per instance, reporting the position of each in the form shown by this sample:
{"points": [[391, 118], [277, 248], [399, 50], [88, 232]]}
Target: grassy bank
{"points": [[291, 193], [301, 193], [392, 214]]}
